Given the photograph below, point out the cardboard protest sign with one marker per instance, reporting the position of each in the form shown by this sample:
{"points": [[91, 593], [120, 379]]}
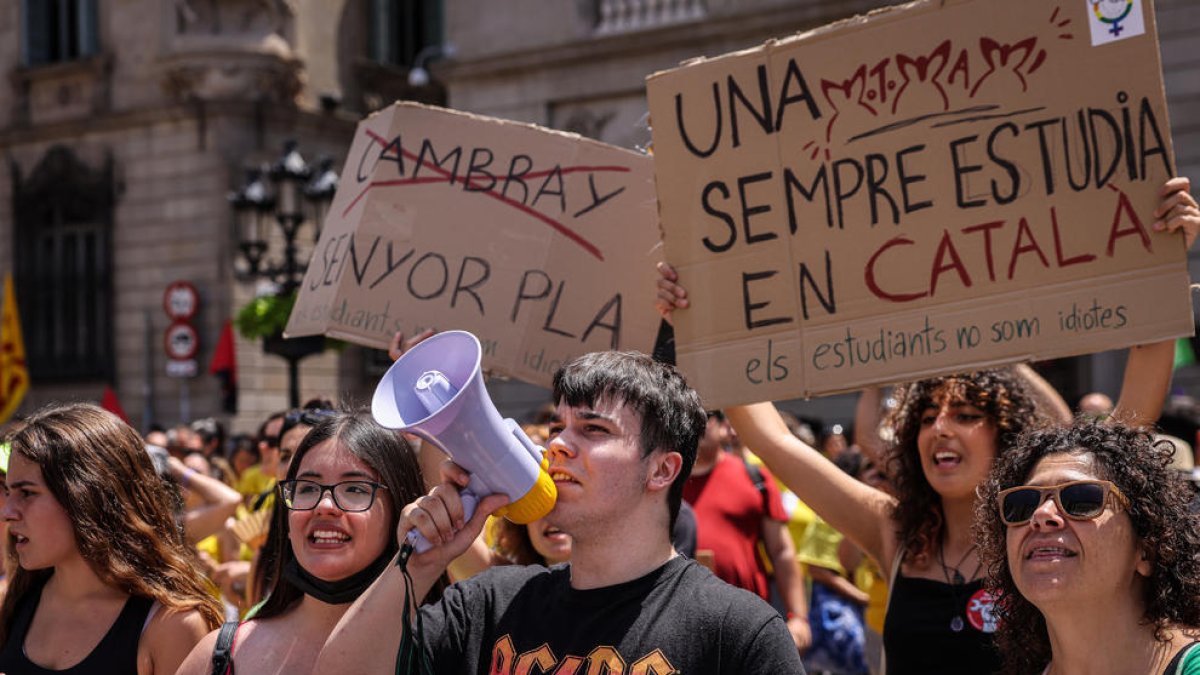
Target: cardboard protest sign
{"points": [[541, 243], [935, 187]]}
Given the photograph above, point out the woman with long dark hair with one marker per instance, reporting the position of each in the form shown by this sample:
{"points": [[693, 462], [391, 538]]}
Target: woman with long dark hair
{"points": [[333, 532], [1092, 554], [102, 581]]}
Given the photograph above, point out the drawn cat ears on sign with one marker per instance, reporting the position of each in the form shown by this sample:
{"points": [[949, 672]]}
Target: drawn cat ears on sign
{"points": [[852, 90], [925, 69], [1005, 57]]}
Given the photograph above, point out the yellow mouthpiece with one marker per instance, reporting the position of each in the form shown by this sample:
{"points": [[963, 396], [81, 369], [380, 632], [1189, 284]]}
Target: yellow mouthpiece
{"points": [[533, 504]]}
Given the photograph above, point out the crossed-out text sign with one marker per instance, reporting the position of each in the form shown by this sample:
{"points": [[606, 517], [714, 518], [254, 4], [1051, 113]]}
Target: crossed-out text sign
{"points": [[541, 243]]}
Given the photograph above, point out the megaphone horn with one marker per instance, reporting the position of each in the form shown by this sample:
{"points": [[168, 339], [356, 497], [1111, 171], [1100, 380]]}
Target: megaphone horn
{"points": [[436, 391]]}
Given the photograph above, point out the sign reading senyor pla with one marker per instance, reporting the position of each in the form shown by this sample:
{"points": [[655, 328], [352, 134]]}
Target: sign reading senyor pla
{"points": [[935, 187], [541, 243]]}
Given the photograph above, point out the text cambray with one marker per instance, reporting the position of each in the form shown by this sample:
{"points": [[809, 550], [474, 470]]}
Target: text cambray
{"points": [[541, 243]]}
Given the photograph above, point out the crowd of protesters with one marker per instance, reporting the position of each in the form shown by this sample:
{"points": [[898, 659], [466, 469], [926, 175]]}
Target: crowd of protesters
{"points": [[967, 523]]}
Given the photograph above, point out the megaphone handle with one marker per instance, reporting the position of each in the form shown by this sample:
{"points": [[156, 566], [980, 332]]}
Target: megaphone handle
{"points": [[469, 501]]}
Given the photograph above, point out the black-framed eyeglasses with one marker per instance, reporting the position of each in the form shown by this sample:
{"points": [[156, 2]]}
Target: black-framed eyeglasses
{"points": [[348, 495], [1077, 500]]}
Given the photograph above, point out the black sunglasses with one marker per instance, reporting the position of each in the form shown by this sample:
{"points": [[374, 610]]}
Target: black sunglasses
{"points": [[1077, 500], [307, 416]]}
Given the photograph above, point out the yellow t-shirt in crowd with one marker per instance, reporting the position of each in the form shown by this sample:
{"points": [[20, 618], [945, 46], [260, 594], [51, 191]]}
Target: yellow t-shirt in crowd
{"points": [[254, 482], [816, 542], [867, 577]]}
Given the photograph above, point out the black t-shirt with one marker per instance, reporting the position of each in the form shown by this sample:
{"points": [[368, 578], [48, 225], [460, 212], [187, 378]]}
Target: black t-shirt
{"points": [[677, 619]]}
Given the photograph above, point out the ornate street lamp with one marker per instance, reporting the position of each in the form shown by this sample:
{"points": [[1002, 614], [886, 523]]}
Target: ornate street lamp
{"points": [[320, 190], [251, 206], [418, 75], [292, 185]]}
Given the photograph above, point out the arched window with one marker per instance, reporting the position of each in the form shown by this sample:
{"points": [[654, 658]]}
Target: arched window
{"points": [[63, 216], [400, 29]]}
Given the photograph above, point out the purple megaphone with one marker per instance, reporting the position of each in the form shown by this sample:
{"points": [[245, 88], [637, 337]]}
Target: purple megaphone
{"points": [[436, 391]]}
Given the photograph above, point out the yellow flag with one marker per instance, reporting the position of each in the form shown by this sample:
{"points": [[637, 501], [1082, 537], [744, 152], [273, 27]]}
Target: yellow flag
{"points": [[14, 376]]}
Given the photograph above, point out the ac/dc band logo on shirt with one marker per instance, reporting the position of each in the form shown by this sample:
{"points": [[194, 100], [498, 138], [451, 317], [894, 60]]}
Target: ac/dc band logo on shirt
{"points": [[602, 659]]}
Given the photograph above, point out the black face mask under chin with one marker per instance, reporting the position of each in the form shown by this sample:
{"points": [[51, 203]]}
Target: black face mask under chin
{"points": [[335, 592]]}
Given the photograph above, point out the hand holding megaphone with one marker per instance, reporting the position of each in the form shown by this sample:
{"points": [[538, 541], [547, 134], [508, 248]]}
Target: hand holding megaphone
{"points": [[445, 516], [435, 390]]}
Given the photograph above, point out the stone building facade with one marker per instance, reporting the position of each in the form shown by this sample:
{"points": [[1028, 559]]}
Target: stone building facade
{"points": [[124, 124]]}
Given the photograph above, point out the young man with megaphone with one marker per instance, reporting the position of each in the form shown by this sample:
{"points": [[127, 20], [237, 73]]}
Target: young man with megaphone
{"points": [[627, 601]]}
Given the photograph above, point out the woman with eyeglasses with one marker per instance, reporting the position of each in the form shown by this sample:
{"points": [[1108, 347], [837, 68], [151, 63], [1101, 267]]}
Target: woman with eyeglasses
{"points": [[1092, 554], [102, 581], [334, 531]]}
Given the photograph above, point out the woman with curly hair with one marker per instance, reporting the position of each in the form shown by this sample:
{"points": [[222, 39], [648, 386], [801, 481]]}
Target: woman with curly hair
{"points": [[948, 431], [1092, 554], [102, 581]]}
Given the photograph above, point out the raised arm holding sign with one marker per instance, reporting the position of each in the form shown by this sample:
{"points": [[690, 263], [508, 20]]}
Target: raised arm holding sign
{"points": [[874, 234], [948, 430]]}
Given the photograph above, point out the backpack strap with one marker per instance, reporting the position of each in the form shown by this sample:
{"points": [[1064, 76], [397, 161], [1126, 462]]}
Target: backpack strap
{"points": [[760, 484], [222, 658], [262, 499]]}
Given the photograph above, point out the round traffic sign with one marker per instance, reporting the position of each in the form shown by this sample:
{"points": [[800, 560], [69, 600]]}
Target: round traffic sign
{"points": [[181, 341], [180, 300]]}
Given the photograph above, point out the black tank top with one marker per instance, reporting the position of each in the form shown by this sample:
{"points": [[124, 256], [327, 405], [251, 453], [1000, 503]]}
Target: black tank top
{"points": [[919, 630], [115, 655]]}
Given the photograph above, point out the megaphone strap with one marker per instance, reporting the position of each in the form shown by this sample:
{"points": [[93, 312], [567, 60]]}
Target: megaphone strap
{"points": [[410, 657]]}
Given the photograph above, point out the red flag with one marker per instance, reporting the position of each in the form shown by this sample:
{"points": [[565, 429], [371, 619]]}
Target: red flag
{"points": [[224, 366], [109, 402]]}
